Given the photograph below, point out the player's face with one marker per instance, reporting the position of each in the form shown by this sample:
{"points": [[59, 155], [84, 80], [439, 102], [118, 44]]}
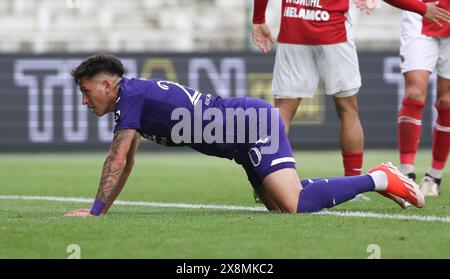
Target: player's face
{"points": [[96, 95]]}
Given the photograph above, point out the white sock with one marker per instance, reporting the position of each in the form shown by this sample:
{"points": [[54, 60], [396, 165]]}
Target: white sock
{"points": [[380, 180], [406, 168], [435, 172]]}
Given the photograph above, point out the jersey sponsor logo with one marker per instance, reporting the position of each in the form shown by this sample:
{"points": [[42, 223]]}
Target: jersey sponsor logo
{"points": [[116, 116], [310, 3], [306, 14]]}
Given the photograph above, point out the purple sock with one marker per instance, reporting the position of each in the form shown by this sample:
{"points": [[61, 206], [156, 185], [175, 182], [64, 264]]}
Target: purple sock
{"points": [[305, 182], [329, 192]]}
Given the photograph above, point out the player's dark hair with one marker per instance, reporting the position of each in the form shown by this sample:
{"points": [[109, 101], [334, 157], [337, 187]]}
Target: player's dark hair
{"points": [[98, 63]]}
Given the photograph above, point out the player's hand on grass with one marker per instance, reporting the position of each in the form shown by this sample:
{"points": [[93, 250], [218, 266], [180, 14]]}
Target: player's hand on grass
{"points": [[365, 5], [436, 14], [262, 37], [84, 212]]}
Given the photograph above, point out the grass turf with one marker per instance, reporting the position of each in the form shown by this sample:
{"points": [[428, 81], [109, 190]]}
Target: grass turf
{"points": [[36, 229]]}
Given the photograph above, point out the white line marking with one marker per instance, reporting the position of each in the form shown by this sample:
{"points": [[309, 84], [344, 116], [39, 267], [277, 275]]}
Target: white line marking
{"points": [[358, 214], [136, 203], [361, 214]]}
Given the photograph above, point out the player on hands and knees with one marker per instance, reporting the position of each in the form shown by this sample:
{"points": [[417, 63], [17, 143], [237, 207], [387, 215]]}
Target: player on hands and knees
{"points": [[152, 109]]}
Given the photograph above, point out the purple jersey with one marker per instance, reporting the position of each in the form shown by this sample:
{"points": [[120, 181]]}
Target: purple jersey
{"points": [[148, 106]]}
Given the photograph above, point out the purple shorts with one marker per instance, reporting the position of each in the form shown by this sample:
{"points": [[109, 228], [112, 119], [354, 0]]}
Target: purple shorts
{"points": [[269, 153]]}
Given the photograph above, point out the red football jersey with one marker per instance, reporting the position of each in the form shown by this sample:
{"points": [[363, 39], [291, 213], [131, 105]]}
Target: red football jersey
{"points": [[429, 28], [313, 22], [319, 22]]}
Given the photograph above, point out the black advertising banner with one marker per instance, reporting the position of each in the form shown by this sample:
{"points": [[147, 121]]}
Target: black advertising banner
{"points": [[41, 110]]}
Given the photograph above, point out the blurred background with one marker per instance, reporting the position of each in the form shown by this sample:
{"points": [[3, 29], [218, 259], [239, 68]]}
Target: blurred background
{"points": [[46, 26], [205, 44]]}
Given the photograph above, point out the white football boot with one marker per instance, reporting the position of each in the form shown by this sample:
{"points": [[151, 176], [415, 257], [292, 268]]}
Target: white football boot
{"points": [[430, 186]]}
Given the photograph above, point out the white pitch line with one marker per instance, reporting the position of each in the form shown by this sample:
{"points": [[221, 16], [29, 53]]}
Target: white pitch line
{"points": [[136, 203], [361, 214], [357, 214]]}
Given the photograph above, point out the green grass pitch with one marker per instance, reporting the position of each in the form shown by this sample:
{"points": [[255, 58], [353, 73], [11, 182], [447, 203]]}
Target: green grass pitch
{"points": [[36, 229]]}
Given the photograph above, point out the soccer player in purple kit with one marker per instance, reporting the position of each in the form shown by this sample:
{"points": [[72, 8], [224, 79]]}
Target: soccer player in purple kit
{"points": [[153, 109]]}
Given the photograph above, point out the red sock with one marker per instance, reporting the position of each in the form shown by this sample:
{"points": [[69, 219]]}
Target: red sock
{"points": [[353, 162], [441, 138], [409, 129]]}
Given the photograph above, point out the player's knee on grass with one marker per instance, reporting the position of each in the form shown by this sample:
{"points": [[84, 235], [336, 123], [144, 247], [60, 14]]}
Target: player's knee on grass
{"points": [[283, 187]]}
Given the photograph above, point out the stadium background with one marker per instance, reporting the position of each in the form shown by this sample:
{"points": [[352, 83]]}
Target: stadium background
{"points": [[47, 139], [203, 44]]}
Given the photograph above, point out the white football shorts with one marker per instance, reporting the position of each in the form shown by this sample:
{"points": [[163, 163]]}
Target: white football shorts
{"points": [[420, 52], [299, 68]]}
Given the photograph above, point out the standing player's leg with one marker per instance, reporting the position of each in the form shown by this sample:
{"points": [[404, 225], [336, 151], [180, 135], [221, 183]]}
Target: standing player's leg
{"points": [[288, 108], [295, 76], [339, 69], [419, 55], [409, 121], [441, 140], [351, 134], [441, 132]]}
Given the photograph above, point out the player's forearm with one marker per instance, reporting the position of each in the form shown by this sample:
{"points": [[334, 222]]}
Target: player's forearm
{"points": [[409, 5], [111, 174], [122, 181], [259, 11], [113, 168]]}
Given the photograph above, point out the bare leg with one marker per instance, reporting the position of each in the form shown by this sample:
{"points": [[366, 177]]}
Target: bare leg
{"points": [[351, 133], [410, 117], [270, 204], [287, 107], [441, 140], [443, 92], [416, 84], [283, 187]]}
